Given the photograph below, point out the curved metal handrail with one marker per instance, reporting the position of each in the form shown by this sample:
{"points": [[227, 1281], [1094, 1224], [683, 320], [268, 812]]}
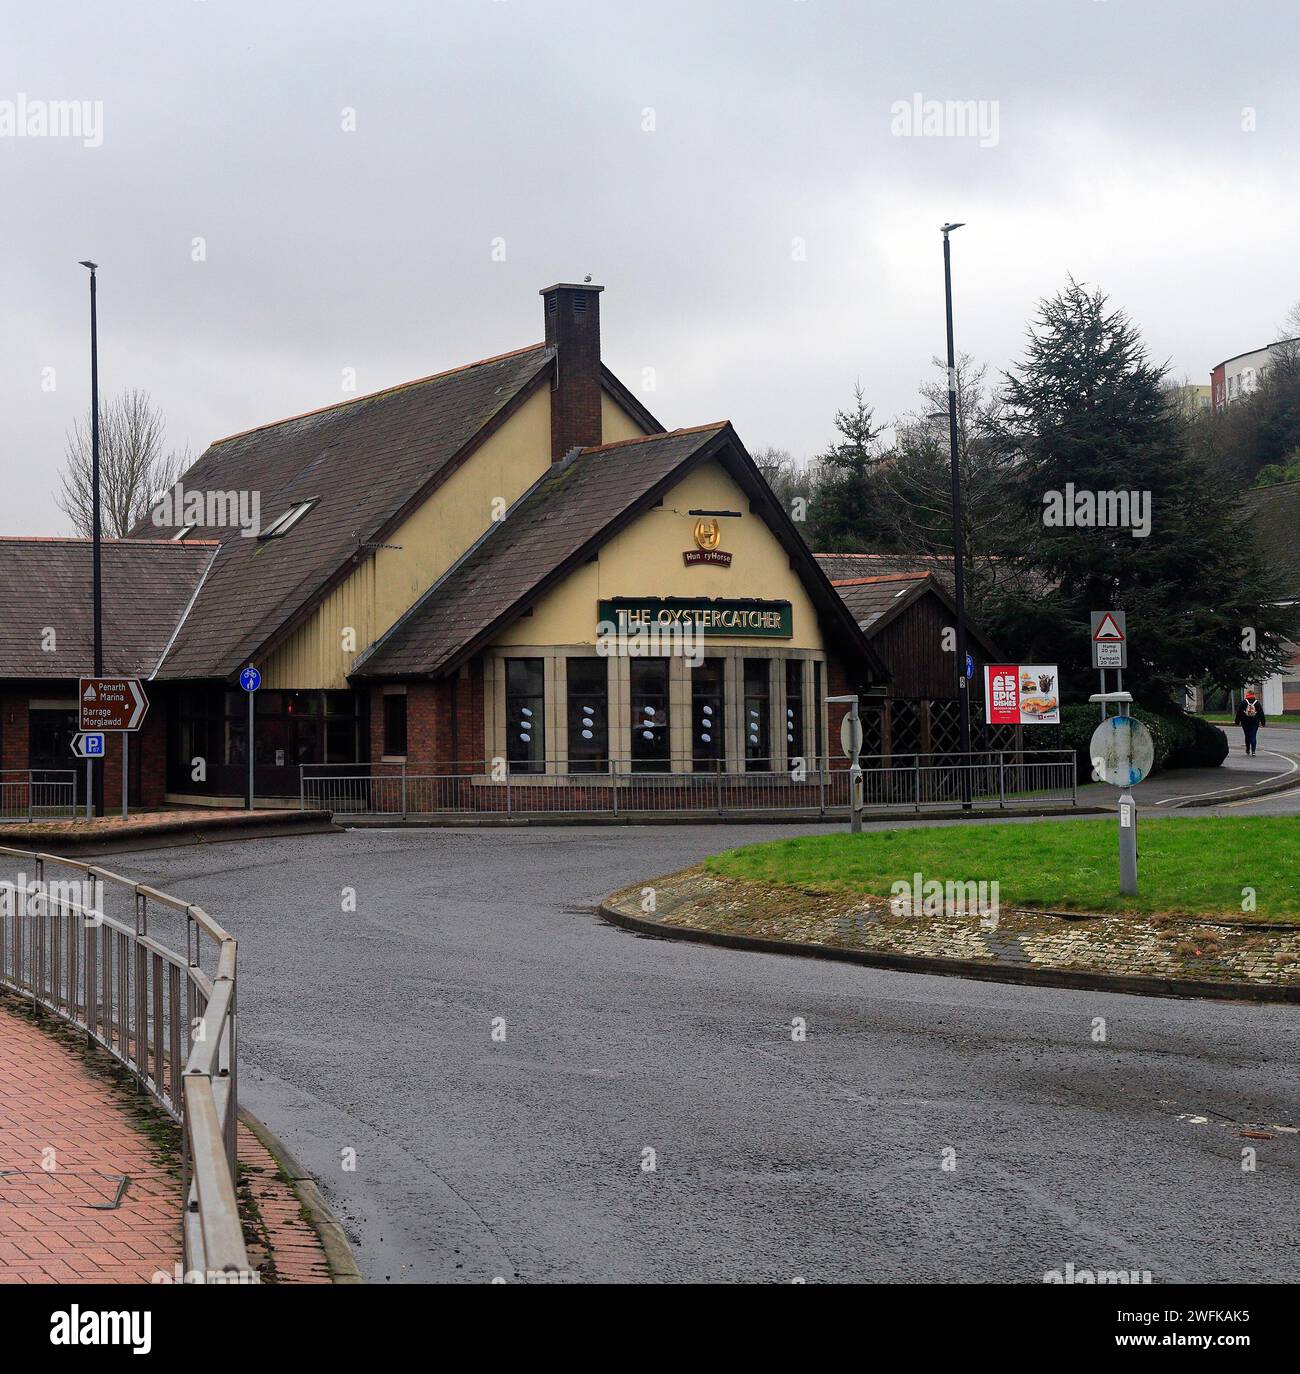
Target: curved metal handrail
{"points": [[159, 1013]]}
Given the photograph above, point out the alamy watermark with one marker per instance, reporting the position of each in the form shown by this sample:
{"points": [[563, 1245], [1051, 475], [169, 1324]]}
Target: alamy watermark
{"points": [[36, 896], [930, 897], [178, 508], [680, 638], [24, 117], [1075, 508], [922, 118]]}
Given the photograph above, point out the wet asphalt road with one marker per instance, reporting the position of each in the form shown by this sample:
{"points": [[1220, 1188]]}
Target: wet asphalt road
{"points": [[372, 1031]]}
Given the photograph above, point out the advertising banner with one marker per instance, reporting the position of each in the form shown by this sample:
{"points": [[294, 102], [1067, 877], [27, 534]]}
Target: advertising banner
{"points": [[1021, 694]]}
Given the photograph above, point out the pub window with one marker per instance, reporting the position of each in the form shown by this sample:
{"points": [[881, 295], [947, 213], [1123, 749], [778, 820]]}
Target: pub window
{"points": [[588, 684], [757, 721], [526, 735], [794, 745], [395, 723], [708, 715], [650, 742], [817, 709]]}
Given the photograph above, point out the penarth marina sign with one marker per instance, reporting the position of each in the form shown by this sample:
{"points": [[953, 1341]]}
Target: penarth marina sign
{"points": [[717, 618]]}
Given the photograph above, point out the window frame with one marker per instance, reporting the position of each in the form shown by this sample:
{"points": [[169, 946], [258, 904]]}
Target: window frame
{"points": [[640, 758], [532, 760], [597, 756]]}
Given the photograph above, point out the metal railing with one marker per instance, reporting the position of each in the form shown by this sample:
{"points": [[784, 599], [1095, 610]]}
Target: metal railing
{"points": [[38, 794], [172, 1023], [996, 778]]}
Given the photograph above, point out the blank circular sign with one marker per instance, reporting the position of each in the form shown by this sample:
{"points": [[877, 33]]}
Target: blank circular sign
{"points": [[851, 736], [1122, 751]]}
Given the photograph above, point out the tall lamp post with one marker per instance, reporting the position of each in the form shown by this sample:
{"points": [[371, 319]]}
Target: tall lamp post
{"points": [[958, 557], [94, 778]]}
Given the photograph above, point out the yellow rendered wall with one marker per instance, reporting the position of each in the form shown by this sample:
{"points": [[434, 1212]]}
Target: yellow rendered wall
{"points": [[646, 560], [615, 422], [430, 540]]}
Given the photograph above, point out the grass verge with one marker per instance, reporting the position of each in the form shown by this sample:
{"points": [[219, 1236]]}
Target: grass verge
{"points": [[1240, 868]]}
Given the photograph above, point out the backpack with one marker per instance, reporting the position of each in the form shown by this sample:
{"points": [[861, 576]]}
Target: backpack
{"points": [[1250, 708]]}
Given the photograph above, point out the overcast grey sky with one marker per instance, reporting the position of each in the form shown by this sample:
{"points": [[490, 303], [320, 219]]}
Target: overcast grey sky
{"points": [[1146, 146]]}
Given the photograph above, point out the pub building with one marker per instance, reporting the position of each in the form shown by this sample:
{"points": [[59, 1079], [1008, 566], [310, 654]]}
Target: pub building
{"points": [[507, 566]]}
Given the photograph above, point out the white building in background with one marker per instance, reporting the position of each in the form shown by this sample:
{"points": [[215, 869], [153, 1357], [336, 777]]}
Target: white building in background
{"points": [[1237, 377]]}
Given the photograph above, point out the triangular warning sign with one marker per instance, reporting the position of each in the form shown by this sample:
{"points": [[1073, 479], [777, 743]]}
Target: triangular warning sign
{"points": [[1108, 629]]}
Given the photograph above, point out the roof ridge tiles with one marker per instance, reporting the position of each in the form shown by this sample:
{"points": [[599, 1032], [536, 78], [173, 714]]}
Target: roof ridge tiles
{"points": [[652, 438], [919, 576], [383, 391], [104, 543]]}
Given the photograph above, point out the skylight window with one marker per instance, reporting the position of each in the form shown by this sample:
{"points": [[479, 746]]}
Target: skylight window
{"points": [[281, 526]]}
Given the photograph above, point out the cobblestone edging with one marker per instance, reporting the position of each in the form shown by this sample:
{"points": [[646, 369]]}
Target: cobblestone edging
{"points": [[1163, 956]]}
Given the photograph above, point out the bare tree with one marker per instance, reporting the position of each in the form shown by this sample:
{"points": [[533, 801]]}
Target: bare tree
{"points": [[133, 466], [790, 480], [1288, 339]]}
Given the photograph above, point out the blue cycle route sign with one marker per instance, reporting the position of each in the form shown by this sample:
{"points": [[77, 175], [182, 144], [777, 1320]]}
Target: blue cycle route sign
{"points": [[250, 679]]}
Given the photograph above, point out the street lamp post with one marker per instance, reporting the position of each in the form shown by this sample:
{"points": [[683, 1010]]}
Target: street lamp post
{"points": [[94, 779], [958, 557]]}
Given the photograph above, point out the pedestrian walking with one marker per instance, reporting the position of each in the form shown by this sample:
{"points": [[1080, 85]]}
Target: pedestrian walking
{"points": [[1250, 716]]}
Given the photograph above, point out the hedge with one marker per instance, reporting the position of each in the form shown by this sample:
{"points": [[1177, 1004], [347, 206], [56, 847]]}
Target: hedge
{"points": [[1181, 741]]}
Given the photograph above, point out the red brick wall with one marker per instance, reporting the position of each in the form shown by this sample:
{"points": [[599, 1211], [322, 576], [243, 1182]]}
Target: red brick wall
{"points": [[444, 720], [838, 684], [148, 763], [575, 397], [14, 736], [148, 748]]}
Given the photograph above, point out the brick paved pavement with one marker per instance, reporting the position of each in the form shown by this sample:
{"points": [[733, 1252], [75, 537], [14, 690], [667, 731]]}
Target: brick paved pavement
{"points": [[286, 1236], [65, 1137], [55, 1110]]}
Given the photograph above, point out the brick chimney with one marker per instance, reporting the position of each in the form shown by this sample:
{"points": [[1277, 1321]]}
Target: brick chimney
{"points": [[573, 329]]}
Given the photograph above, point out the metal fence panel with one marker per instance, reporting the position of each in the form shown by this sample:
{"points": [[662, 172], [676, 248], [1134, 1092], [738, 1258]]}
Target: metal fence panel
{"points": [[83, 949], [687, 787]]}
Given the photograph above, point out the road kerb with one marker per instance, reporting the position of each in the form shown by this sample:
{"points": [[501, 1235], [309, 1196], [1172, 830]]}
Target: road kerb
{"points": [[1078, 979], [338, 1253]]}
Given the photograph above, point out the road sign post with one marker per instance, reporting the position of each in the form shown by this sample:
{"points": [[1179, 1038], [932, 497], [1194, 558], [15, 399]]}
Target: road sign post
{"points": [[1122, 753], [1109, 635], [116, 704], [250, 680], [851, 743], [89, 746], [1128, 845]]}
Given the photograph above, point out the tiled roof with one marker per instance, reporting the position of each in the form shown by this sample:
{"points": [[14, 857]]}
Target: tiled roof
{"points": [[841, 565], [46, 599], [574, 502], [875, 600], [870, 597], [362, 462], [1273, 519]]}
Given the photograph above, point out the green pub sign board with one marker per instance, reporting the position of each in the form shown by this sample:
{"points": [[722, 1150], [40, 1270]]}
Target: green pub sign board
{"points": [[718, 618]]}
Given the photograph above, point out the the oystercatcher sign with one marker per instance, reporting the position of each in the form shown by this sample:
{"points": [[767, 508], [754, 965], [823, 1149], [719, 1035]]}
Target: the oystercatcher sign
{"points": [[111, 703]]}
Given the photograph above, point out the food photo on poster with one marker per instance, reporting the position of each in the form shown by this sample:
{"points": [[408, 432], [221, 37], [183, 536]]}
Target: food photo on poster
{"points": [[1021, 694]]}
